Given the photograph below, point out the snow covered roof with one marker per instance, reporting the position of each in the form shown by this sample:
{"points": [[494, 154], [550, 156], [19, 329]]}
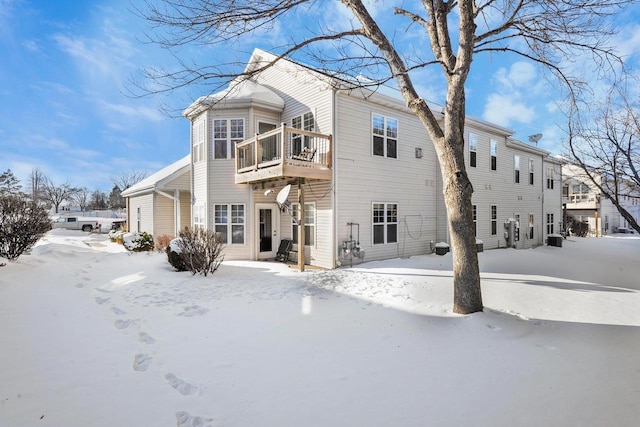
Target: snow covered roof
{"points": [[240, 94], [163, 176]]}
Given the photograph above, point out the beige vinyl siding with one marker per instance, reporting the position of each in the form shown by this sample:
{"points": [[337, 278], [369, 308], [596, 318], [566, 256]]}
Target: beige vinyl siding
{"points": [[553, 197], [183, 182], [164, 221], [199, 171], [145, 203], [302, 92], [498, 188], [185, 209], [363, 179]]}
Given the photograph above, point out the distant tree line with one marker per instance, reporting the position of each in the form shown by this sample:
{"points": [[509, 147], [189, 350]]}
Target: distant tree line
{"points": [[43, 191]]}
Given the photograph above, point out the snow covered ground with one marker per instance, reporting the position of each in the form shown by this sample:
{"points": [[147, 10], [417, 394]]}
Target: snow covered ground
{"points": [[91, 335]]}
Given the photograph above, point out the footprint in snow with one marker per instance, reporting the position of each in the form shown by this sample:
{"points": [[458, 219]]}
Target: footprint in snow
{"points": [[185, 388], [117, 311], [141, 362], [122, 324], [101, 301], [79, 285], [493, 328], [146, 338], [185, 420], [193, 310]]}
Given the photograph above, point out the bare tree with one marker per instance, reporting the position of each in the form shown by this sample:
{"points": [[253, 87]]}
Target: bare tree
{"points": [[127, 179], [36, 180], [81, 197], [552, 34], [56, 194], [605, 146], [98, 200]]}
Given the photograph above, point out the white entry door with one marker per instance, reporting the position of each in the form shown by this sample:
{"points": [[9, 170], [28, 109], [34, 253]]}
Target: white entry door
{"points": [[267, 224]]}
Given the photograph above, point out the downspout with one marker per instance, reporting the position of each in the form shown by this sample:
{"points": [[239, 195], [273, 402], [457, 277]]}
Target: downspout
{"points": [[334, 162]]}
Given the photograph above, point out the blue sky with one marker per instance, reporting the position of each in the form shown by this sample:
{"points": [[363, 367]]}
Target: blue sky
{"points": [[65, 70]]}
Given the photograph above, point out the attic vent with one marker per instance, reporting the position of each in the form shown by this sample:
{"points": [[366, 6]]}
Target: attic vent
{"points": [[418, 153]]}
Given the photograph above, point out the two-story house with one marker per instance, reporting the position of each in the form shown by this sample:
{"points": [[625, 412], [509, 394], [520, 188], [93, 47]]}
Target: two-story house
{"points": [[364, 165]]}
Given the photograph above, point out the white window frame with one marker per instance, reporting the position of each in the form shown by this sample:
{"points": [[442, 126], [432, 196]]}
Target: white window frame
{"points": [[516, 168], [493, 145], [532, 223], [199, 216], [138, 218], [531, 172], [306, 121], [494, 219], [550, 177], [474, 215], [198, 144], [386, 133], [309, 223], [231, 220], [387, 209], [473, 150], [550, 223], [230, 138]]}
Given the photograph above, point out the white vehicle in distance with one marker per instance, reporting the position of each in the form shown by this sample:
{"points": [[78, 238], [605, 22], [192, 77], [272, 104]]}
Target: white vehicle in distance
{"points": [[77, 223]]}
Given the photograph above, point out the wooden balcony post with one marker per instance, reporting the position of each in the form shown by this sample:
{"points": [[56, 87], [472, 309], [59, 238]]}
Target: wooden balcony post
{"points": [[255, 152], [283, 138], [300, 225]]}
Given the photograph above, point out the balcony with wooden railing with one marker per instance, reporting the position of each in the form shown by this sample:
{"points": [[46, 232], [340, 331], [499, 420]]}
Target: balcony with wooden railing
{"points": [[284, 152]]}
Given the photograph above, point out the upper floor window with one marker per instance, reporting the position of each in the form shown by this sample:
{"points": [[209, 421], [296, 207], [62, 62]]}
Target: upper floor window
{"points": [[300, 142], [516, 168], [494, 155], [226, 134], [198, 141], [229, 223], [473, 149], [550, 176], [531, 169], [385, 136], [309, 223], [385, 223]]}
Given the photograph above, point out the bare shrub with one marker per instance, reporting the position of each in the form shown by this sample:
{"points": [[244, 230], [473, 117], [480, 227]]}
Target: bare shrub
{"points": [[162, 242], [199, 250], [22, 224]]}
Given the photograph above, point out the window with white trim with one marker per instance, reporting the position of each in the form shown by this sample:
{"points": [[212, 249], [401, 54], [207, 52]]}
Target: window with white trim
{"points": [[474, 213], [494, 155], [229, 223], [226, 134], [198, 136], [138, 218], [516, 168], [494, 220], [531, 169], [550, 177], [473, 149], [199, 216], [385, 136], [549, 223], [300, 142], [385, 223], [517, 228], [531, 226], [309, 223]]}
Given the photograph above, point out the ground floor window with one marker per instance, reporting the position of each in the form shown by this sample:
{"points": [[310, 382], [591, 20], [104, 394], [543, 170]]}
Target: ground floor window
{"points": [[549, 223], [517, 230], [309, 223], [138, 218], [229, 223], [199, 216], [474, 210], [385, 223], [494, 220]]}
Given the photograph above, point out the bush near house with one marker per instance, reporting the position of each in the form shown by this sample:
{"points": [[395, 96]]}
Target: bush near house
{"points": [[162, 242], [197, 251], [22, 224], [138, 242]]}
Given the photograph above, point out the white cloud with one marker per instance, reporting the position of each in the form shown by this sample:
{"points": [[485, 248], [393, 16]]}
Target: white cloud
{"points": [[504, 109]]}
